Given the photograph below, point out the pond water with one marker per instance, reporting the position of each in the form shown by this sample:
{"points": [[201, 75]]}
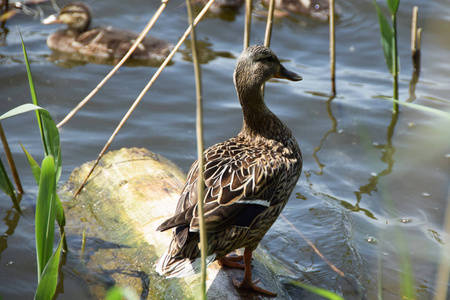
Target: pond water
{"points": [[373, 188]]}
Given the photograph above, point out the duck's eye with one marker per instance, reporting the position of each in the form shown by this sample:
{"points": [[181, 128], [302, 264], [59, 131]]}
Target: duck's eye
{"points": [[267, 59], [80, 19]]}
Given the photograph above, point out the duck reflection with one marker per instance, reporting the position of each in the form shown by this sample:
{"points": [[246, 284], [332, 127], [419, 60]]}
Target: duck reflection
{"points": [[205, 52], [223, 9]]}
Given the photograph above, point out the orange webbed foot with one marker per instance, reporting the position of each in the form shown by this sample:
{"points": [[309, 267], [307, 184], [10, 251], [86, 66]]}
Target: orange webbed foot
{"points": [[232, 261], [251, 285], [247, 282]]}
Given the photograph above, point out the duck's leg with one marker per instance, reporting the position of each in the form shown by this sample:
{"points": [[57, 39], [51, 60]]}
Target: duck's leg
{"points": [[232, 261], [247, 282]]}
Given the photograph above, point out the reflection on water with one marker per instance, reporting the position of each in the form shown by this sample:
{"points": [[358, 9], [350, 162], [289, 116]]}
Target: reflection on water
{"points": [[71, 60], [333, 129], [11, 220], [205, 52]]}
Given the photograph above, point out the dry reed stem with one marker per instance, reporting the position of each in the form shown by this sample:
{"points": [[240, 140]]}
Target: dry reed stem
{"points": [[248, 22], [332, 48], [268, 33], [269, 24], [416, 40], [414, 29], [121, 62], [314, 248], [200, 147], [141, 95], [10, 160]]}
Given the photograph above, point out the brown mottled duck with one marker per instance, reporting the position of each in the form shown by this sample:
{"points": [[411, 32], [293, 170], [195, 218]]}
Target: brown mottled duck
{"points": [[248, 180], [99, 42]]}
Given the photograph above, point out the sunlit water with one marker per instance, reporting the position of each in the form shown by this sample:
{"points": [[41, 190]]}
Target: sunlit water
{"points": [[362, 178]]}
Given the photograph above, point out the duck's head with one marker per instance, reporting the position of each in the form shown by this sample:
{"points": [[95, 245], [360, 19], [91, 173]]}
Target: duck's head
{"points": [[256, 65], [76, 15]]}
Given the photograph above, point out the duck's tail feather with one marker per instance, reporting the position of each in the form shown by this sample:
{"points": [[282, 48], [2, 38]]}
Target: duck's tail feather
{"points": [[180, 267]]}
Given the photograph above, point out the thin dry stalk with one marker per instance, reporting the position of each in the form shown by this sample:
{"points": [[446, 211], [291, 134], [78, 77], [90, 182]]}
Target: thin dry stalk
{"points": [[268, 34], [141, 95], [332, 48], [200, 147], [10, 160], [415, 40], [121, 62], [269, 23], [416, 34], [414, 29], [314, 248], [248, 22]]}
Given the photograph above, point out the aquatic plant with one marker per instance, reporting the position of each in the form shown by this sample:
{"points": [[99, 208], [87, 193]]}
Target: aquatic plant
{"points": [[389, 43], [7, 186], [48, 204]]}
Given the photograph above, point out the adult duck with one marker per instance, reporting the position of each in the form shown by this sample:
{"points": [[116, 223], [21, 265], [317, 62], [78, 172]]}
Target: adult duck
{"points": [[248, 180], [100, 42]]}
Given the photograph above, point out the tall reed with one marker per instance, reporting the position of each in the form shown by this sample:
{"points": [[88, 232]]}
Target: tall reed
{"points": [[200, 149]]}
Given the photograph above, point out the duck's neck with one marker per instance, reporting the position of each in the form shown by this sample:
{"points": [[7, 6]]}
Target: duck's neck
{"points": [[259, 121]]}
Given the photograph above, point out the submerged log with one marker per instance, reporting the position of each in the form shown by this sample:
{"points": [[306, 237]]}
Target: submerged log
{"points": [[129, 194]]}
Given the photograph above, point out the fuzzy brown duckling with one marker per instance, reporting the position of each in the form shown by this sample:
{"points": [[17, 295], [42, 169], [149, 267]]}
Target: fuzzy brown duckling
{"points": [[100, 42], [248, 180]]}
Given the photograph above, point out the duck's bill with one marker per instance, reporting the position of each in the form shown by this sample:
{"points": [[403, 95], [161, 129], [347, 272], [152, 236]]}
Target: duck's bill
{"points": [[53, 19], [289, 75]]}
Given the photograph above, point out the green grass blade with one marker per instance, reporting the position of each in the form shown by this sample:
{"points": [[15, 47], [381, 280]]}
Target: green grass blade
{"points": [[387, 38], [45, 214], [49, 133], [51, 139], [393, 5], [48, 129], [60, 217], [30, 81], [35, 168], [7, 186], [431, 110], [24, 108], [49, 279], [318, 291]]}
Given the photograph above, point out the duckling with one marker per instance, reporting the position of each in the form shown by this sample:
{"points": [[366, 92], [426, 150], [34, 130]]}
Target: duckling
{"points": [[248, 180], [102, 43], [316, 9]]}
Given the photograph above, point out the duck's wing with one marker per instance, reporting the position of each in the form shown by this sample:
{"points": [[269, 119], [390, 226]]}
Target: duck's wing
{"points": [[240, 183], [92, 42], [115, 43]]}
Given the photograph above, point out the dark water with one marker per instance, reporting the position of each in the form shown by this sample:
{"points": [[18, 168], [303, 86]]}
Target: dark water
{"points": [[363, 179]]}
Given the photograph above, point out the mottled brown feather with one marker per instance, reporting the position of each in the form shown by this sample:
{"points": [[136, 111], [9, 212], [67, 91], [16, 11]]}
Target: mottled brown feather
{"points": [[248, 179]]}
